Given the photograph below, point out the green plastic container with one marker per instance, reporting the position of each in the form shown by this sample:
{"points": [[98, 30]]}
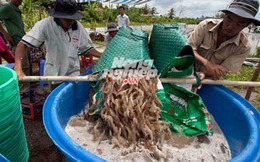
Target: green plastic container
{"points": [[13, 144]]}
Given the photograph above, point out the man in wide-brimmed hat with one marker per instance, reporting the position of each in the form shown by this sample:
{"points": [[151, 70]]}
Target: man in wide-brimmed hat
{"points": [[64, 38], [111, 32], [221, 46]]}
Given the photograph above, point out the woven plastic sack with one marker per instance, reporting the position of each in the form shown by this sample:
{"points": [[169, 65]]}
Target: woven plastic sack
{"points": [[167, 46], [128, 47], [184, 111], [129, 44]]}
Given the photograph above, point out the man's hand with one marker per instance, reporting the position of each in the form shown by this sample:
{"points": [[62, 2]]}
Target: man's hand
{"points": [[19, 54], [95, 53], [215, 71], [20, 74]]}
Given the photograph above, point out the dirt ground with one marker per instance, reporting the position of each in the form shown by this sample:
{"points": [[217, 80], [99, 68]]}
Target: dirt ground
{"points": [[41, 147]]}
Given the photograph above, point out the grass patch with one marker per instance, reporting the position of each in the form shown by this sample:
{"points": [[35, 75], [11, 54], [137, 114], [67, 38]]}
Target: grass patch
{"points": [[246, 74], [99, 43]]}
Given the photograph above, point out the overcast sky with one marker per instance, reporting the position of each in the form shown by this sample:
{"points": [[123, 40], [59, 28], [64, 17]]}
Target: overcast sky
{"points": [[190, 8]]}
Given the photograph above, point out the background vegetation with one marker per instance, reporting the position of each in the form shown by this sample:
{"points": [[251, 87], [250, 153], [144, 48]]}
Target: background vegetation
{"points": [[97, 15], [246, 74]]}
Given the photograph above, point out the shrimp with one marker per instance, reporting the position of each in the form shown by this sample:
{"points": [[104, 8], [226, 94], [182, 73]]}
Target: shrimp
{"points": [[130, 115], [93, 113]]}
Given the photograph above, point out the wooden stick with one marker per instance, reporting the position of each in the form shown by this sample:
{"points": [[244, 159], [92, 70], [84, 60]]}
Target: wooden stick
{"points": [[211, 82], [254, 78], [253, 59], [60, 78], [163, 80]]}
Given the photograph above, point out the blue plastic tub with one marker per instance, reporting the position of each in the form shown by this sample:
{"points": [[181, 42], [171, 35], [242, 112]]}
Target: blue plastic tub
{"points": [[238, 119], [3, 159]]}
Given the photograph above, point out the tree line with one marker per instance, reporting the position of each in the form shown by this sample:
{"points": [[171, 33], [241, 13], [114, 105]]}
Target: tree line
{"points": [[97, 14]]}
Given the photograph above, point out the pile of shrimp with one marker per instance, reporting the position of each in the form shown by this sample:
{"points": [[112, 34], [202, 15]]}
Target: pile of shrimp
{"points": [[129, 116]]}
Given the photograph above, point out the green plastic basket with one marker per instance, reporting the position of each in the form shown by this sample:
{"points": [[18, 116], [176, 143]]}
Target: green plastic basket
{"points": [[13, 144]]}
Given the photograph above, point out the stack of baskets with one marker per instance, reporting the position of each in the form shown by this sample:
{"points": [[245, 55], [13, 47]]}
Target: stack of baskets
{"points": [[13, 144]]}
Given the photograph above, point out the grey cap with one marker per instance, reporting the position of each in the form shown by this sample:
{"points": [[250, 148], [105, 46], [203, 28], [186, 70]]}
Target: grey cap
{"points": [[244, 8]]}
